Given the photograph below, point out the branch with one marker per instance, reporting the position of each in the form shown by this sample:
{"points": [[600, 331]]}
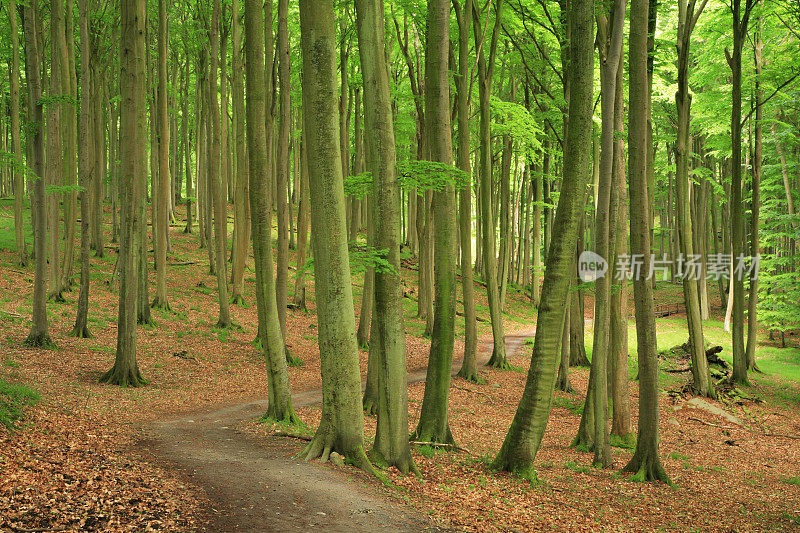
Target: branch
{"points": [[767, 99]]}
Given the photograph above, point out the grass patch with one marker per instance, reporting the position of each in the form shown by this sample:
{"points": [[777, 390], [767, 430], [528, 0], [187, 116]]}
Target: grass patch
{"points": [[14, 397], [574, 406], [793, 480]]}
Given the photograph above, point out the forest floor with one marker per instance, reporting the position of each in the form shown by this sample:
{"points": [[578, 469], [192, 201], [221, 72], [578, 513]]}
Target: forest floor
{"points": [[91, 456]]}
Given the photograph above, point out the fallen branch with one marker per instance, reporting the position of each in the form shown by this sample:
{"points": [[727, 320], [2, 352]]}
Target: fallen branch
{"points": [[183, 263], [300, 436], [709, 423], [474, 391], [455, 447]]}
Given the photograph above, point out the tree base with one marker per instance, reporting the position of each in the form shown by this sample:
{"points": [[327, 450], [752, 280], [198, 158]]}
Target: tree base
{"points": [[521, 469], [471, 376], [80, 332], [499, 361], [40, 340], [564, 385], [404, 464], [160, 304], [432, 434], [322, 444], [57, 296], [123, 378], [646, 469], [239, 300], [627, 442]]}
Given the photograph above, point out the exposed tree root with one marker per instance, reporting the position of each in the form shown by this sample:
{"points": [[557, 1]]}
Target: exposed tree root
{"points": [[57, 296], [370, 405], [40, 340], [563, 384], [239, 300], [471, 376], [646, 468], [323, 443], [124, 377], [158, 304], [81, 332], [432, 435]]}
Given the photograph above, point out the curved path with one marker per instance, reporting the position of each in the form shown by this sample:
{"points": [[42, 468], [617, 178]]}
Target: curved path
{"points": [[257, 486]]}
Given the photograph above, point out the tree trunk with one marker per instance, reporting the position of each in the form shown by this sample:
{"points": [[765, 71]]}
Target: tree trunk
{"points": [[86, 171], [524, 437], [646, 463], [302, 229], [683, 101], [282, 176], [737, 207], [214, 178], [241, 190], [752, 304], [485, 74], [391, 437], [16, 142], [125, 371], [280, 396], [161, 300], [469, 365], [39, 335], [434, 425], [342, 421]]}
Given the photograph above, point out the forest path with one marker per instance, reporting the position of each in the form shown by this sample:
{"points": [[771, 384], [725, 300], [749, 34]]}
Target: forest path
{"points": [[258, 486]]}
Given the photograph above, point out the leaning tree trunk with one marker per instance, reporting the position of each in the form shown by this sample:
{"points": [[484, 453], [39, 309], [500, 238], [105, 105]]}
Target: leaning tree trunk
{"points": [[391, 437], [38, 335], [280, 396], [646, 463], [527, 429], [125, 371], [342, 422]]}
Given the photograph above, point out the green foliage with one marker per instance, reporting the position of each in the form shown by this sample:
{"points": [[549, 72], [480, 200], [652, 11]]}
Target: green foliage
{"points": [[419, 176], [14, 397]]}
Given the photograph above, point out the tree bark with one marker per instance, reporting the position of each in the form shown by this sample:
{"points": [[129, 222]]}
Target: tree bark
{"points": [[646, 463], [161, 299], [16, 141], [39, 335], [524, 437], [391, 437], [280, 396], [342, 421], [125, 371]]}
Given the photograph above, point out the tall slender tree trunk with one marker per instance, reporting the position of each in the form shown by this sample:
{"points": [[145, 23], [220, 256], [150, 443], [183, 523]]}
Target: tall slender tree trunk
{"points": [[162, 228], [303, 216], [241, 189], [70, 177], [342, 421], [86, 171], [434, 425], [16, 141], [485, 75], [740, 24], [55, 160], [125, 371], [39, 335], [752, 304], [524, 437], [391, 437], [282, 176], [280, 396], [683, 101], [646, 463], [214, 178], [469, 365]]}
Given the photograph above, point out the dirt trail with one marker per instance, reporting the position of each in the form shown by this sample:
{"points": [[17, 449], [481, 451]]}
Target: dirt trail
{"points": [[257, 486]]}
